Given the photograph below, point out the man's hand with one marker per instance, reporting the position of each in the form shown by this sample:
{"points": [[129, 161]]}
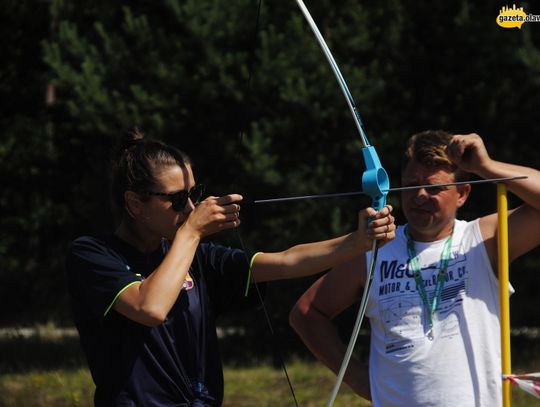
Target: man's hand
{"points": [[468, 152]]}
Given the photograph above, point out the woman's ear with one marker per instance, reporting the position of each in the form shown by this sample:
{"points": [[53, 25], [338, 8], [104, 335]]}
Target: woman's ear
{"points": [[133, 204]]}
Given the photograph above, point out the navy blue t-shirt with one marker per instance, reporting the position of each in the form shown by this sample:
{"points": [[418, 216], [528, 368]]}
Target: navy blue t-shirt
{"points": [[174, 364]]}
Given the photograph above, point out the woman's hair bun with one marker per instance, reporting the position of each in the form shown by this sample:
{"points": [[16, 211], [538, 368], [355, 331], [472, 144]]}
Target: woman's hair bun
{"points": [[131, 137], [134, 134]]}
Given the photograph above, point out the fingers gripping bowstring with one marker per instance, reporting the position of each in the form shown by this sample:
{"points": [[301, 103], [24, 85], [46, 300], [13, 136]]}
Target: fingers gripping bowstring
{"points": [[252, 280], [375, 183]]}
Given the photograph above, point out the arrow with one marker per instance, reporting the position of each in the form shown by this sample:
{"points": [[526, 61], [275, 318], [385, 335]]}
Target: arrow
{"points": [[356, 193]]}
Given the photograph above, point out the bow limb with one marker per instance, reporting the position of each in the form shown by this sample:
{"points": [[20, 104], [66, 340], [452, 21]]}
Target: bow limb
{"points": [[375, 182]]}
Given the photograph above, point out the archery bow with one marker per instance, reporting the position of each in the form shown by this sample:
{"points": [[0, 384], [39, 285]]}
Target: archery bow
{"points": [[375, 183]]}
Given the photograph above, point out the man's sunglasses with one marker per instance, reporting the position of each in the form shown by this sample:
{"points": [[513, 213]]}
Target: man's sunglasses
{"points": [[179, 199]]}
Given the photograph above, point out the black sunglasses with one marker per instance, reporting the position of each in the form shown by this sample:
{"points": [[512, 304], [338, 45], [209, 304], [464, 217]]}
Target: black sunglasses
{"points": [[179, 199]]}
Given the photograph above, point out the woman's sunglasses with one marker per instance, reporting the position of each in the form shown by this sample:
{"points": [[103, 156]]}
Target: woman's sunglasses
{"points": [[179, 199]]}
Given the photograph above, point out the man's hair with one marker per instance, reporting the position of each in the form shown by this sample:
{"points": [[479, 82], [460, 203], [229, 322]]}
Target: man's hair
{"points": [[429, 148]]}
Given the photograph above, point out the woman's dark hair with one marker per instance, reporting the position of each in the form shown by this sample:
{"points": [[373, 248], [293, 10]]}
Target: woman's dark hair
{"points": [[134, 164]]}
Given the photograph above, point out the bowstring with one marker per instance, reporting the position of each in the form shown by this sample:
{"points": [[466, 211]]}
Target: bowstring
{"points": [[273, 336]]}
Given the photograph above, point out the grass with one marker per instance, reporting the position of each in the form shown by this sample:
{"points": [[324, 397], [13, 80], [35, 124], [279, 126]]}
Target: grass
{"points": [[264, 386], [261, 386], [57, 388], [52, 373]]}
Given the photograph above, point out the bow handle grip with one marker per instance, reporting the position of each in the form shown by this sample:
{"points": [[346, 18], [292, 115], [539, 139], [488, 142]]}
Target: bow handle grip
{"points": [[375, 181]]}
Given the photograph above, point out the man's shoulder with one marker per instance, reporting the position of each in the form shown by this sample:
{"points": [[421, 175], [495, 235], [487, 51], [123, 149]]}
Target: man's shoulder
{"points": [[464, 227]]}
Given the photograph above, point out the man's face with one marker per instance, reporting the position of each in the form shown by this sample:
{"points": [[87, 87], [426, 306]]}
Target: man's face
{"points": [[429, 211]]}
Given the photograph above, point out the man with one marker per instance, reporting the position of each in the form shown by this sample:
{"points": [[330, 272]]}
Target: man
{"points": [[433, 305]]}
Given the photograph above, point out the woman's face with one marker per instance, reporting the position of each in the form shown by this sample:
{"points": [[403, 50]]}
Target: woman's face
{"points": [[161, 219]]}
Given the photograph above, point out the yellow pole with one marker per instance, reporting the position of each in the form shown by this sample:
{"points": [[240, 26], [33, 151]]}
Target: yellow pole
{"points": [[504, 295]]}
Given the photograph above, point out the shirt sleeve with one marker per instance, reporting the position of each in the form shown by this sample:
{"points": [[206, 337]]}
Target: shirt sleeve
{"points": [[96, 276], [226, 271]]}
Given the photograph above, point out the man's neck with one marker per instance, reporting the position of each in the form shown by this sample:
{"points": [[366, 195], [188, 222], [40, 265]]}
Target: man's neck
{"points": [[429, 235]]}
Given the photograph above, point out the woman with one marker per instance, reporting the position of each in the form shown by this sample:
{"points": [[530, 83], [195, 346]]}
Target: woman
{"points": [[145, 298]]}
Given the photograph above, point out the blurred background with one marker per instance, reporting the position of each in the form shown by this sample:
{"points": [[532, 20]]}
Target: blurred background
{"points": [[245, 90]]}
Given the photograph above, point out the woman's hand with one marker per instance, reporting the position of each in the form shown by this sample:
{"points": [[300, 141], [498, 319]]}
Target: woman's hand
{"points": [[215, 214], [373, 225]]}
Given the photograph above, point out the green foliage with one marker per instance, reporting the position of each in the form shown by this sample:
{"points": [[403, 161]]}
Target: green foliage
{"points": [[255, 105], [31, 213]]}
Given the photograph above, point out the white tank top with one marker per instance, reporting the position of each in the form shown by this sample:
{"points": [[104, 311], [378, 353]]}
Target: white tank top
{"points": [[460, 366]]}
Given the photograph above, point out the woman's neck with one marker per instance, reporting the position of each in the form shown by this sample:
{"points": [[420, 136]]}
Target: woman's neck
{"points": [[134, 236]]}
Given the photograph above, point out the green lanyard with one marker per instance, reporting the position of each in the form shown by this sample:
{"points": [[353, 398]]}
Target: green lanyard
{"points": [[431, 306]]}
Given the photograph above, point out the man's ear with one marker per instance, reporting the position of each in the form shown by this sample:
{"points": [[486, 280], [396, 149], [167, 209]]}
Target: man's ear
{"points": [[463, 191], [133, 203]]}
